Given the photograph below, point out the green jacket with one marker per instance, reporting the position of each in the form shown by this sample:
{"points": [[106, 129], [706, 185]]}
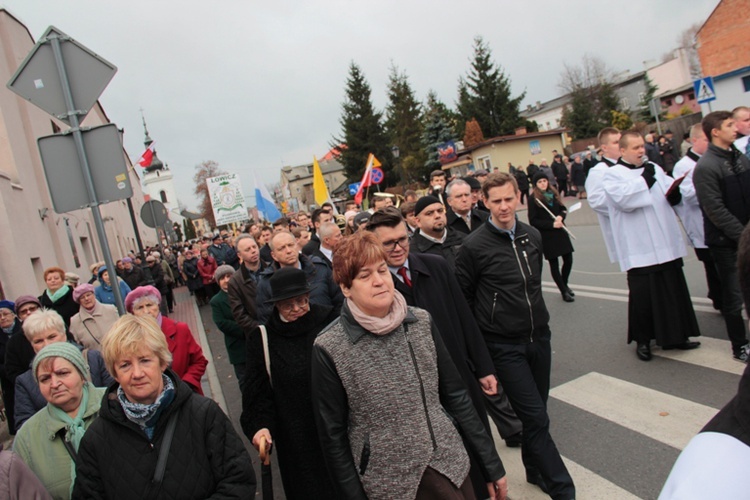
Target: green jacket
{"points": [[234, 336], [39, 446]]}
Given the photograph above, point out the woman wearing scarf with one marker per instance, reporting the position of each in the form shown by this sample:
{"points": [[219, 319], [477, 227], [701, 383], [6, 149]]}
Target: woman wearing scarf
{"points": [[42, 328], [104, 293], [9, 326], [188, 361], [148, 407], [94, 319], [279, 407], [58, 296], [50, 439], [555, 240], [388, 400]]}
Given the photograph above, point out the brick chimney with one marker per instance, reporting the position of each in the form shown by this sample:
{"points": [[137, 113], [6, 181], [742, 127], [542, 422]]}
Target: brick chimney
{"points": [[520, 131]]}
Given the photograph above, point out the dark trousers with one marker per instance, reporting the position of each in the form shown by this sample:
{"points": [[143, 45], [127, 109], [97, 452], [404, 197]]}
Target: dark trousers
{"points": [[561, 280], [524, 370], [434, 485], [524, 195], [731, 298], [170, 299], [562, 186], [712, 276], [239, 372]]}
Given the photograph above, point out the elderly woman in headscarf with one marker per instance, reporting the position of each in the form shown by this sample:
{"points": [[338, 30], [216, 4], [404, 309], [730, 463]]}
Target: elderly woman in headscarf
{"points": [[48, 443], [276, 402], [41, 329], [9, 326], [188, 361], [58, 296], [387, 398], [151, 413], [94, 319], [103, 291]]}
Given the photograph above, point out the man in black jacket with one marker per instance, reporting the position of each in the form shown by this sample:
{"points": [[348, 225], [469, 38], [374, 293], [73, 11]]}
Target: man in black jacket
{"points": [[426, 281], [499, 269], [462, 216], [560, 171], [243, 285], [722, 183], [434, 236]]}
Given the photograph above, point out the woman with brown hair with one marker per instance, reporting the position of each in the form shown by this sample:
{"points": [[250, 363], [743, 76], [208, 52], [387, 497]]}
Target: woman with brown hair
{"points": [[58, 296], [555, 240], [387, 398]]}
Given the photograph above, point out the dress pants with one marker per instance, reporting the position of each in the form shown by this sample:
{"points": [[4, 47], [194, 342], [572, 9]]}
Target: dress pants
{"points": [[731, 298], [524, 371]]}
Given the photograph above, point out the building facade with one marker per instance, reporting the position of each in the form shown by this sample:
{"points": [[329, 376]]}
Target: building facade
{"points": [[297, 183]]}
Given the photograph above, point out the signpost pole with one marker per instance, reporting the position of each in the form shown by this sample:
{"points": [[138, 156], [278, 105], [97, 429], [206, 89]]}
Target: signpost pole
{"points": [[156, 226], [75, 128]]}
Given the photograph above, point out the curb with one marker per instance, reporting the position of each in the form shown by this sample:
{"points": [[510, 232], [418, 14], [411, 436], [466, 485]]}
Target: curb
{"points": [[213, 378]]}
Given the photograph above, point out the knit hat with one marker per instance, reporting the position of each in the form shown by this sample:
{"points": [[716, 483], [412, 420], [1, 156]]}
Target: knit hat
{"points": [[64, 350], [138, 293], [472, 182], [72, 279], [424, 202], [81, 290], [537, 177], [222, 271], [127, 259], [25, 299], [7, 304]]}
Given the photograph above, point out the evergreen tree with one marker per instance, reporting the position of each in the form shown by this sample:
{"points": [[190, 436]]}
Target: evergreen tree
{"points": [[437, 130], [362, 129], [485, 95], [403, 124], [644, 114], [189, 229], [473, 134], [580, 117]]}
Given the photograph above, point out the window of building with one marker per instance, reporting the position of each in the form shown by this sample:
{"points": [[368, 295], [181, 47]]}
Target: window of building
{"points": [[668, 102], [691, 96], [163, 196], [485, 163], [746, 83], [625, 102]]}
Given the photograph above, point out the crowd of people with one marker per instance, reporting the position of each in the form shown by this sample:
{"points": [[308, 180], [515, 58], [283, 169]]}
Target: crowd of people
{"points": [[375, 347]]}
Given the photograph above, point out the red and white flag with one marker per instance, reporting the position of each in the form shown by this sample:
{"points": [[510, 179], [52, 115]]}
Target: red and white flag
{"points": [[366, 178], [147, 156]]}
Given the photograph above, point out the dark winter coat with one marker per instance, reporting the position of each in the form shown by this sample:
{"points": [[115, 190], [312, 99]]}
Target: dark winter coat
{"points": [[157, 273], [65, 305], [234, 336], [447, 250], [311, 246], [29, 399], [323, 291], [223, 254], [135, 277], [577, 174], [207, 459], [194, 280], [242, 291], [652, 152], [283, 405], [477, 219], [502, 282], [523, 181], [18, 356], [722, 183], [556, 242], [8, 386], [559, 170], [531, 170]]}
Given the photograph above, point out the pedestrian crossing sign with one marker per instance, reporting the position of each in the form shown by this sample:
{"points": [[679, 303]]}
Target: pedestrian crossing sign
{"points": [[704, 90]]}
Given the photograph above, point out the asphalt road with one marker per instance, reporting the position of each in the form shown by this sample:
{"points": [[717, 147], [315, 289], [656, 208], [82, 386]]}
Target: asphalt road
{"points": [[619, 422]]}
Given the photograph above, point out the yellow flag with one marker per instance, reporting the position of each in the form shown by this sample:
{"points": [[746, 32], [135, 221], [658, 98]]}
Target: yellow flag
{"points": [[319, 184]]}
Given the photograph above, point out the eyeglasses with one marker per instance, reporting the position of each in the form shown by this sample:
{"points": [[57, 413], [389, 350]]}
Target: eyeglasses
{"points": [[5, 314], [27, 310], [290, 305], [390, 246]]}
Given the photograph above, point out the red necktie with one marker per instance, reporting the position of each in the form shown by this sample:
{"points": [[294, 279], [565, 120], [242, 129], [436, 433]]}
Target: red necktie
{"points": [[402, 273]]}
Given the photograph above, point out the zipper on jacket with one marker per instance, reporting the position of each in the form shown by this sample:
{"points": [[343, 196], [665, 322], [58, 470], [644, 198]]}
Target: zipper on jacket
{"points": [[526, 258], [494, 303], [525, 288], [421, 388]]}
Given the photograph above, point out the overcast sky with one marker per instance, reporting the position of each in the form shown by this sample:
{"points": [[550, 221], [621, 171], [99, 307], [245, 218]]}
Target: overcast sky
{"points": [[256, 86]]}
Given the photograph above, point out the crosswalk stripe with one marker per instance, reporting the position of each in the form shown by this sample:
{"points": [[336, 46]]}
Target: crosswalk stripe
{"points": [[589, 484], [660, 416], [620, 291], [713, 353], [616, 297]]}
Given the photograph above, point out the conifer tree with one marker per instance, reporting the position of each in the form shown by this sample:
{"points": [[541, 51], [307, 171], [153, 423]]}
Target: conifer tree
{"points": [[403, 124], [437, 130]]}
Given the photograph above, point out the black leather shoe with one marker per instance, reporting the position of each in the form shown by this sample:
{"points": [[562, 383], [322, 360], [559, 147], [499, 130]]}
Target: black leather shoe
{"points": [[537, 480], [643, 351], [514, 441], [685, 346], [570, 291], [567, 297]]}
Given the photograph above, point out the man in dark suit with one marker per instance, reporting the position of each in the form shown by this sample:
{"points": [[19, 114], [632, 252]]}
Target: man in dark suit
{"points": [[426, 281], [330, 236], [462, 216], [319, 216]]}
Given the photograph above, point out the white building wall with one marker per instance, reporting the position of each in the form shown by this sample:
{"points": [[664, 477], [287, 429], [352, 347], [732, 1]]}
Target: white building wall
{"points": [[730, 93]]}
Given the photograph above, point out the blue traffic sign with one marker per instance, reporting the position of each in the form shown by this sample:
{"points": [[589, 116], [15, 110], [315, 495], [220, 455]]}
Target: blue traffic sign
{"points": [[353, 188], [704, 90]]}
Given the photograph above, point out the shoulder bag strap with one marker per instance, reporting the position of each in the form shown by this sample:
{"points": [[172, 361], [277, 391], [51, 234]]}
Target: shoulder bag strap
{"points": [[266, 355], [68, 446], [161, 463], [92, 335]]}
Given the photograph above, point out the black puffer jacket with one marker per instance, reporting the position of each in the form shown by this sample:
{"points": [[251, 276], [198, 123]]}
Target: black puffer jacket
{"points": [[206, 460], [722, 183], [502, 281], [65, 305]]}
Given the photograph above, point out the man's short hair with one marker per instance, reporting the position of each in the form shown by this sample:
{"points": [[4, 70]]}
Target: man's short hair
{"points": [[276, 235], [739, 109], [454, 183], [696, 131], [316, 215], [243, 236], [284, 222], [297, 231], [606, 133], [385, 217], [408, 208], [714, 120], [498, 179], [625, 137], [328, 229], [437, 173], [301, 214]]}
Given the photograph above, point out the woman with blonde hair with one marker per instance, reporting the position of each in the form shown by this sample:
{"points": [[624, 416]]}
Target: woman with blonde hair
{"points": [[155, 437]]}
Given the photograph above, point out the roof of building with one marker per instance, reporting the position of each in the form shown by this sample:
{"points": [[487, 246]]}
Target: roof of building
{"points": [[511, 138], [304, 171], [191, 215]]}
